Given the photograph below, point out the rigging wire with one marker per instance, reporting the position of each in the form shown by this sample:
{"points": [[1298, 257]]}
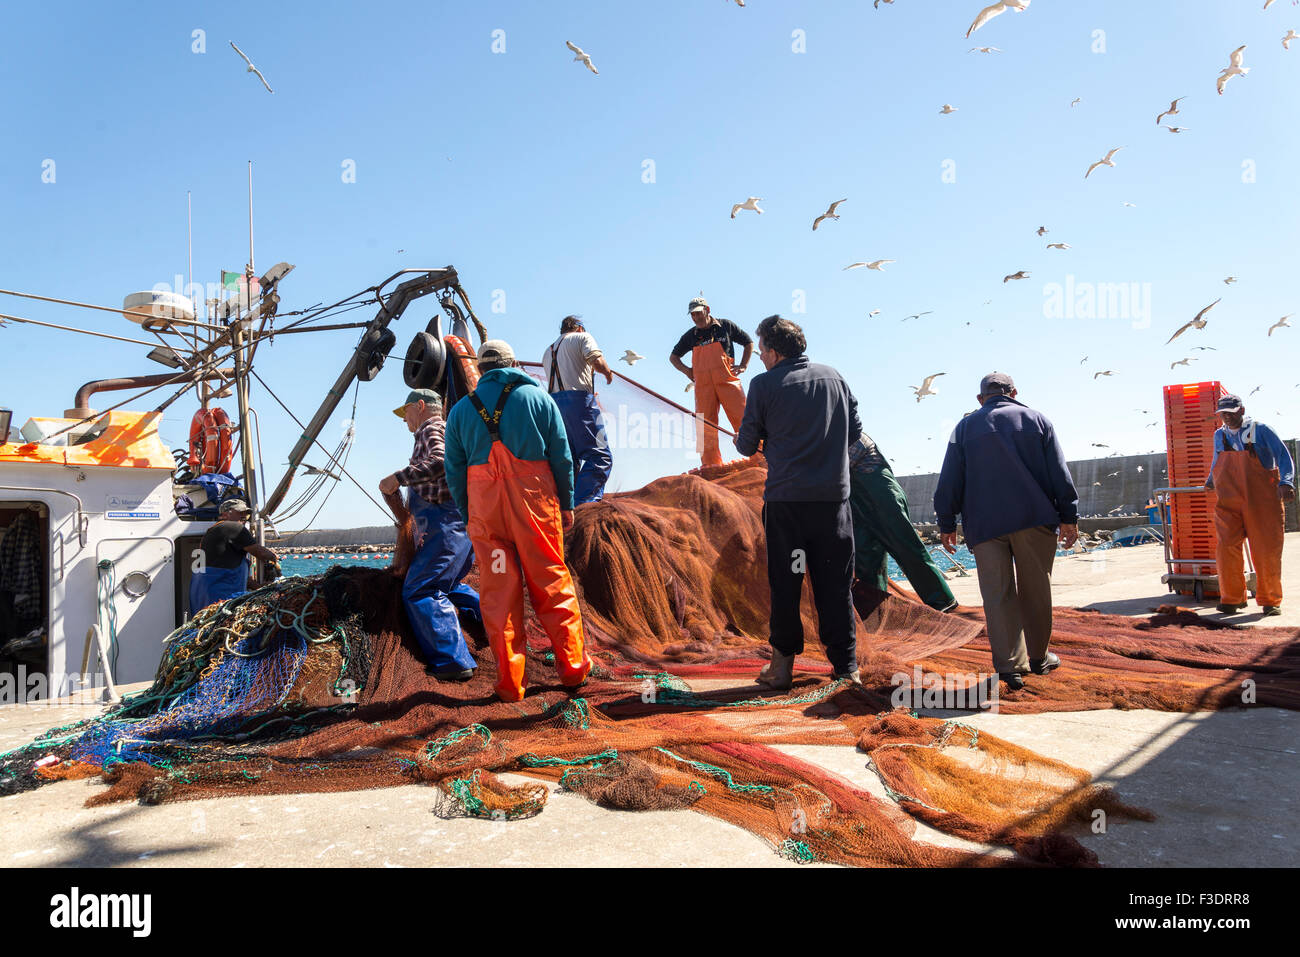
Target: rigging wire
{"points": [[315, 441]]}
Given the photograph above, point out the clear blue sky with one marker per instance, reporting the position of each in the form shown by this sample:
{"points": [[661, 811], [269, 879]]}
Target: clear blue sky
{"points": [[525, 171]]}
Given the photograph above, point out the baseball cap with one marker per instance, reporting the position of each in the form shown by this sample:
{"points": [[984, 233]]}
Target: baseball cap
{"points": [[415, 395], [496, 349], [697, 304], [1229, 403], [234, 505], [996, 383]]}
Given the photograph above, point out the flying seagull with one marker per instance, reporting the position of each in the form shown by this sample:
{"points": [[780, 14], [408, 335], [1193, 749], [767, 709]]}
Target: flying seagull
{"points": [[873, 312], [631, 357], [1016, 275], [1281, 323], [1042, 230], [829, 214], [1100, 445], [1230, 280], [1058, 245], [580, 56], [947, 108], [1172, 111], [1286, 40], [1107, 161], [1205, 348], [1177, 129], [996, 10], [877, 264], [983, 50], [251, 68], [1094, 376], [918, 315], [1134, 205], [1199, 322], [751, 203], [1075, 102], [924, 389], [1083, 360], [1181, 362], [1234, 68], [1112, 475]]}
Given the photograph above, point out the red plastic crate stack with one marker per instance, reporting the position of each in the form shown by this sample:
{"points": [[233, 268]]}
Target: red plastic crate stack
{"points": [[1190, 422]]}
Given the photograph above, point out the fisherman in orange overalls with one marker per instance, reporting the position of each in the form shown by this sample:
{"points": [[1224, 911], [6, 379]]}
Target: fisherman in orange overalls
{"points": [[712, 370], [1253, 475], [510, 473]]}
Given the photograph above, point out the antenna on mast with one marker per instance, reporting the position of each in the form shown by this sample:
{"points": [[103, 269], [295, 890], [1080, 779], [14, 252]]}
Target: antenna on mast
{"points": [[251, 268]]}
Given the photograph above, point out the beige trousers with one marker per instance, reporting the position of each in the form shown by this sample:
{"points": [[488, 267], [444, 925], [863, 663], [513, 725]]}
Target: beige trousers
{"points": [[1015, 573]]}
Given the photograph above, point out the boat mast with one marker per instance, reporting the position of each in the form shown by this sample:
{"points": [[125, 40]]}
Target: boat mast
{"points": [[239, 343]]}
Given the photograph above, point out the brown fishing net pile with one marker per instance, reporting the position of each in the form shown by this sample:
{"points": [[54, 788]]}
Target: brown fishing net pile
{"points": [[673, 585]]}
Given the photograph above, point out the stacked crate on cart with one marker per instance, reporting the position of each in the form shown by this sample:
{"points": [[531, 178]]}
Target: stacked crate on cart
{"points": [[1190, 422]]}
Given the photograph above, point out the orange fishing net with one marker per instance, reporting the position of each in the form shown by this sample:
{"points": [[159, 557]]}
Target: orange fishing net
{"points": [[673, 585]]}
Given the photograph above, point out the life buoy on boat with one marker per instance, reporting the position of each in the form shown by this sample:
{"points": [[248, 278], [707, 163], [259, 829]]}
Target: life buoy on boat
{"points": [[211, 446]]}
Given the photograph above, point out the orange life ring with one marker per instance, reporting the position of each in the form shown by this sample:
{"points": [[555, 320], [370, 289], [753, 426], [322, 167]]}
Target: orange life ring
{"points": [[211, 448]]}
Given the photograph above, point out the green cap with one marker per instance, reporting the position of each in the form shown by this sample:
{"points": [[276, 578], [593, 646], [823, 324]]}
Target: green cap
{"points": [[698, 304], [428, 396]]}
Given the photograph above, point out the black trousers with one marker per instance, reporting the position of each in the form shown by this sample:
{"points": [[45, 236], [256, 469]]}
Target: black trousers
{"points": [[816, 538]]}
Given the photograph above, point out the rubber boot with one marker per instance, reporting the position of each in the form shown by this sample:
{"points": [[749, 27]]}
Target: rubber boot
{"points": [[778, 674]]}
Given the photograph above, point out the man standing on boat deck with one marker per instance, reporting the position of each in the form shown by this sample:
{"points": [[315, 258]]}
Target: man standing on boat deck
{"points": [[509, 470], [806, 417], [1253, 476], [432, 591], [717, 380], [1005, 473], [226, 547], [568, 367]]}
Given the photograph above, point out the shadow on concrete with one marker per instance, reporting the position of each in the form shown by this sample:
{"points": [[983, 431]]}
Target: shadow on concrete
{"points": [[94, 848]]}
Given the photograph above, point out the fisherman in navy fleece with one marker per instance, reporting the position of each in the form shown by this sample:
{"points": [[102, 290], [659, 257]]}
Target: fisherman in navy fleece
{"points": [[1005, 474]]}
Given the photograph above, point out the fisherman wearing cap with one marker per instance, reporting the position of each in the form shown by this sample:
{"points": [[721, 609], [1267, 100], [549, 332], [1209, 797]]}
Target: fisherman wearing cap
{"points": [[1252, 475], [568, 366], [1005, 474], [806, 417], [221, 571], [510, 473], [433, 591], [716, 378]]}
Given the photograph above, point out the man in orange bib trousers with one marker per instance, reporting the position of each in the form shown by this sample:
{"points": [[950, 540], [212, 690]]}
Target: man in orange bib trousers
{"points": [[716, 379], [510, 472], [1253, 475]]}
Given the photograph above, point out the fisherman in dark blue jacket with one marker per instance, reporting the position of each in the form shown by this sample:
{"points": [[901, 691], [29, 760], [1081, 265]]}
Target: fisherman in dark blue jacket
{"points": [[805, 416], [1005, 474]]}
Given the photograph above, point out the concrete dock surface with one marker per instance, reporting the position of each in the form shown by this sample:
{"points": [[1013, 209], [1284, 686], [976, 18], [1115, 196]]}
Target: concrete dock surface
{"points": [[1224, 786]]}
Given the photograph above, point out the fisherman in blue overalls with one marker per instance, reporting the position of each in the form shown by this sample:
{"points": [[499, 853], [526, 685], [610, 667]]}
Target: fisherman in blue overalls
{"points": [[222, 570], [569, 366], [433, 591]]}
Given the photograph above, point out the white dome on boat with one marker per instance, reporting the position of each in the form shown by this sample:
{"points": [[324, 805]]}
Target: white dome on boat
{"points": [[155, 310]]}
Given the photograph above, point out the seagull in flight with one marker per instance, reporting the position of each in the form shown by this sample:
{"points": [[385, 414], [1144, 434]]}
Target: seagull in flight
{"points": [[1230, 280], [1234, 68], [1058, 245], [1286, 40], [251, 68], [1199, 322], [924, 388], [751, 203], [1108, 160], [1100, 445], [1042, 230], [1075, 102], [1172, 111], [1205, 348], [877, 264], [1177, 129], [1083, 360], [1094, 376], [1181, 362], [918, 315], [947, 108], [631, 357], [873, 312], [983, 50], [1281, 323], [829, 214], [1016, 275], [580, 56], [996, 10]]}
